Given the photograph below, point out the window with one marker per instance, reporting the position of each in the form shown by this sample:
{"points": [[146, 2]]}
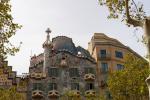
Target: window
{"points": [[120, 67], [74, 86], [104, 67], [53, 72], [108, 95], [73, 72], [37, 86], [89, 86], [89, 70], [119, 54], [52, 86], [102, 53]]}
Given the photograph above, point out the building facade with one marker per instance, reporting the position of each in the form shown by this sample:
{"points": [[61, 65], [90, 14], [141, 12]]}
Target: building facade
{"points": [[7, 76], [61, 70], [110, 55]]}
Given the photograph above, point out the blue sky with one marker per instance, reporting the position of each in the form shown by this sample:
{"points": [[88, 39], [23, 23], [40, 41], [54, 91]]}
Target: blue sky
{"points": [[77, 19]]}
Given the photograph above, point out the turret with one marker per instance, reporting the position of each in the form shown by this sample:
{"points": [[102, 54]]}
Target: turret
{"points": [[47, 46]]}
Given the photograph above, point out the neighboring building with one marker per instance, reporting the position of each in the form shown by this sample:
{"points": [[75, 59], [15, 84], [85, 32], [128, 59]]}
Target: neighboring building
{"points": [[61, 69], [110, 56], [7, 76], [9, 79]]}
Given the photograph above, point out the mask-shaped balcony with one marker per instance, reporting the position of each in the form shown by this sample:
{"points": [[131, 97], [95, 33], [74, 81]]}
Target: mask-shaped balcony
{"points": [[75, 93], [90, 93], [38, 75], [89, 77], [53, 94], [37, 94]]}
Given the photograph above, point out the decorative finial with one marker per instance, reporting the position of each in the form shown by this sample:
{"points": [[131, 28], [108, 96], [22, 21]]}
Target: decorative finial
{"points": [[48, 31], [47, 42]]}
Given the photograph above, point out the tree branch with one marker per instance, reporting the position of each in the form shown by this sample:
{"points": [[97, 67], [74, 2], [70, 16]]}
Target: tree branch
{"points": [[135, 6], [130, 20]]}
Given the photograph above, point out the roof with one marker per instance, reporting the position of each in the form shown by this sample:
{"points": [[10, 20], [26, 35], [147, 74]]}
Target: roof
{"points": [[64, 44]]}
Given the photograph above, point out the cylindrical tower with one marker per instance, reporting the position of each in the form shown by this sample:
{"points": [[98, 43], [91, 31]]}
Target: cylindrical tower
{"points": [[47, 46]]}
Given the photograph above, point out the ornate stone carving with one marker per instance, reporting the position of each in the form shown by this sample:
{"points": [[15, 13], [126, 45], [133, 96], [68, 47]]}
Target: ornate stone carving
{"points": [[53, 93], [37, 94], [89, 77]]}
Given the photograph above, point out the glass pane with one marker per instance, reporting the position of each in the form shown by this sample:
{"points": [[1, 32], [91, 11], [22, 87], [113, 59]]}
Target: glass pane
{"points": [[73, 72], [89, 70], [104, 67], [52, 86], [37, 86], [53, 72], [89, 86], [102, 53], [119, 54], [74, 86], [120, 67]]}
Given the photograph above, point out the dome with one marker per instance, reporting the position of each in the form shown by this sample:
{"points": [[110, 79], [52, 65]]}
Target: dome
{"points": [[63, 43]]}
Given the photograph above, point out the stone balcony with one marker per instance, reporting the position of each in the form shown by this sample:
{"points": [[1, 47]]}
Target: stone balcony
{"points": [[89, 77], [37, 94], [38, 75], [53, 94]]}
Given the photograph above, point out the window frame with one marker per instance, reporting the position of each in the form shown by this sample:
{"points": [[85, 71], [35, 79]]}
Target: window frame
{"points": [[88, 70], [119, 54], [89, 86], [120, 66], [37, 86], [52, 86], [75, 86], [53, 72], [104, 69], [103, 53], [74, 72]]}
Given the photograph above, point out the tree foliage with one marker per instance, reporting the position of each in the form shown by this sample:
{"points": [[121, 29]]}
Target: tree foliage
{"points": [[133, 14], [126, 9], [129, 83], [10, 94], [7, 29]]}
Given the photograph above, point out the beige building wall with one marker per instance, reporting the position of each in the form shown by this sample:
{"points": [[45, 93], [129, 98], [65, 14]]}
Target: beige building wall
{"points": [[99, 42]]}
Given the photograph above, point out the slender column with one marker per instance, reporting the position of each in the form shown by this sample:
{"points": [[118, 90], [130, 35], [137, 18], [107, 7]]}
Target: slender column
{"points": [[47, 48]]}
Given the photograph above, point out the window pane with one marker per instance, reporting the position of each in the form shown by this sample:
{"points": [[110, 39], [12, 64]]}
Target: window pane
{"points": [[73, 72], [120, 67], [104, 67], [53, 72], [74, 86], [102, 53], [37, 86], [52, 86], [89, 86], [119, 54], [89, 70]]}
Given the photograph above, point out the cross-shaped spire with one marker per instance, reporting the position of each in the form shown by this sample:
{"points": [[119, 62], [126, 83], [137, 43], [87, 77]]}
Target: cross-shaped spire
{"points": [[48, 31]]}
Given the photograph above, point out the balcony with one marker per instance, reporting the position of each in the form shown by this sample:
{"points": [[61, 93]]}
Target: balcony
{"points": [[90, 93], [38, 75], [53, 94], [89, 77], [74, 93], [37, 94], [104, 56]]}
